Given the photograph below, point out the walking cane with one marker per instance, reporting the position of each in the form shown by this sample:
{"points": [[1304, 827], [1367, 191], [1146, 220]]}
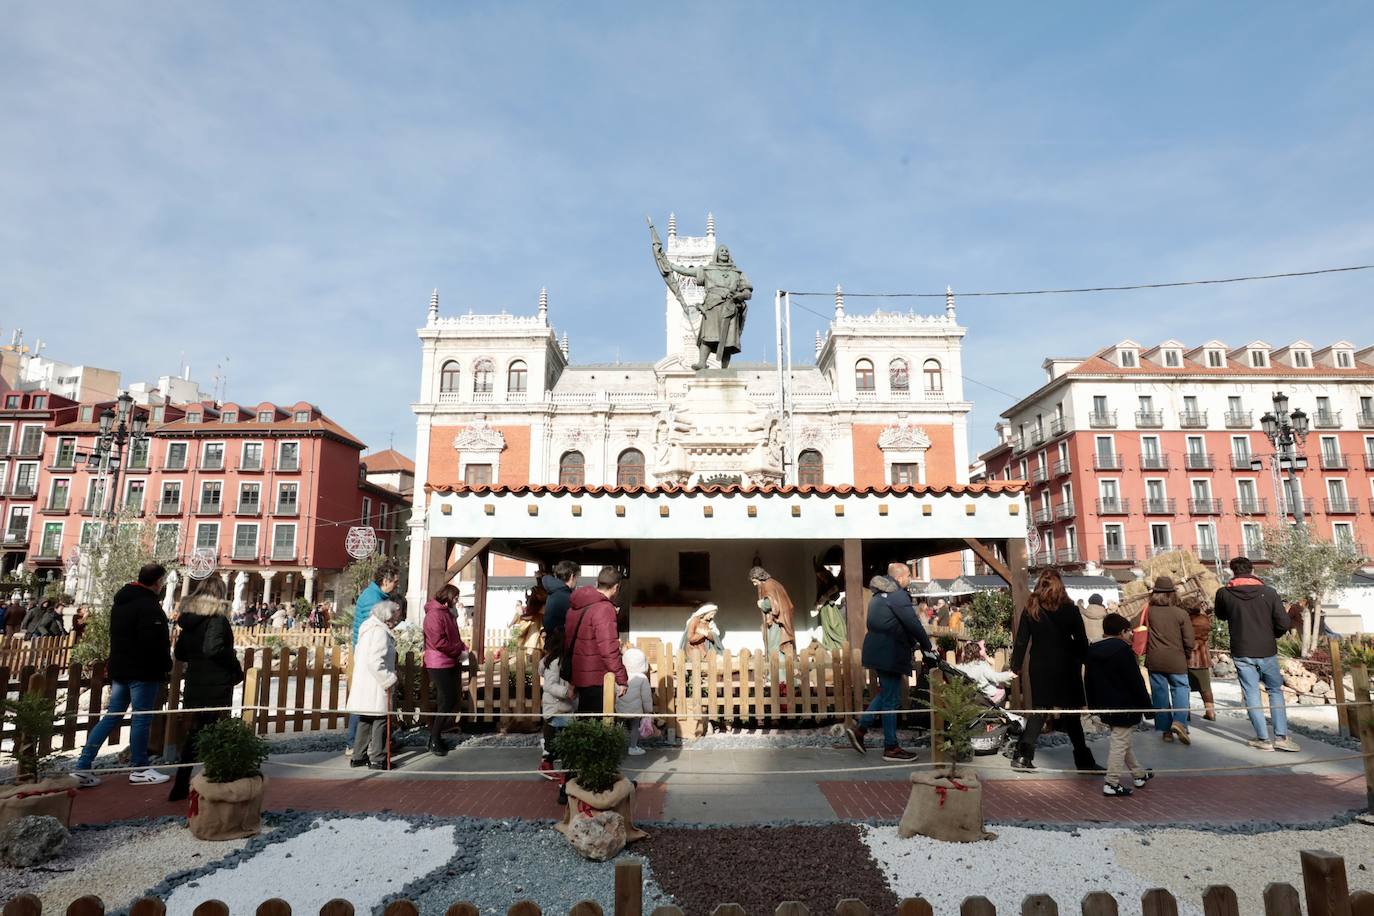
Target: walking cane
{"points": [[388, 733]]}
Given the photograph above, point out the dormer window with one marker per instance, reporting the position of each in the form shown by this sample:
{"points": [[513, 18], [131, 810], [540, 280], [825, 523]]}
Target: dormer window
{"points": [[1127, 359], [229, 416], [1216, 359], [1302, 359], [1345, 359], [193, 417], [302, 416], [87, 412], [159, 413], [1173, 359], [1259, 359], [266, 416]]}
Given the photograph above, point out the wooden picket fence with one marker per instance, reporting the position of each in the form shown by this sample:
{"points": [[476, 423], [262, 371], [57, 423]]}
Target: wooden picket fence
{"points": [[17, 652], [1325, 887], [295, 638]]}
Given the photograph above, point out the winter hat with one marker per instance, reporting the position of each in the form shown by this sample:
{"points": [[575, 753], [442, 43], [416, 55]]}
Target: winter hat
{"points": [[636, 662], [1095, 598], [1163, 584]]}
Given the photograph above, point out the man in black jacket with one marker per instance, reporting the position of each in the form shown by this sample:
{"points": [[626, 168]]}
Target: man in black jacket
{"points": [[1257, 618], [894, 632], [140, 660], [559, 587]]}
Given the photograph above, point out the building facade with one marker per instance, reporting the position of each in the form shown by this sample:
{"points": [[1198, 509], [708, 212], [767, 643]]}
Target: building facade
{"points": [[502, 403], [1137, 450]]}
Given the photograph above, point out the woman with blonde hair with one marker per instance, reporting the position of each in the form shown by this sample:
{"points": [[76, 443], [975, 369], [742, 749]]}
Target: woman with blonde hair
{"points": [[205, 645], [1051, 633]]}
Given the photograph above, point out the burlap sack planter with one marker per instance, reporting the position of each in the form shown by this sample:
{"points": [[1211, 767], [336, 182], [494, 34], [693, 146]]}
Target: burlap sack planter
{"points": [[944, 808], [619, 798], [226, 810], [52, 797]]}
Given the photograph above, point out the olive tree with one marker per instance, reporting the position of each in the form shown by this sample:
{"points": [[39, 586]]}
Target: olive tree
{"points": [[1311, 569]]}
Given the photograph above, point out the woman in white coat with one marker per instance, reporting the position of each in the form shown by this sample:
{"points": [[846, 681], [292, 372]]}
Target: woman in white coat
{"points": [[369, 691]]}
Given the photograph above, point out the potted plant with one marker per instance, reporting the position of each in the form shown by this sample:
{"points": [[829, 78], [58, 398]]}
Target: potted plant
{"points": [[34, 791], [945, 804], [226, 800], [600, 815]]}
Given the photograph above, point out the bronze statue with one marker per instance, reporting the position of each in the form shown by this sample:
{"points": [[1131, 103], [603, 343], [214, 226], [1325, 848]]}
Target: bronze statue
{"points": [[728, 292]]}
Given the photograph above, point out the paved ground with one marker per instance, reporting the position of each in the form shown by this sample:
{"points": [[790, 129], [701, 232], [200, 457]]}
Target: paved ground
{"points": [[813, 784]]}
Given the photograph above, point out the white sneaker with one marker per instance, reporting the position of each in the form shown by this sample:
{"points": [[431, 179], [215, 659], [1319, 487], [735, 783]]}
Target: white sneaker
{"points": [[85, 779], [636, 752], [148, 777]]}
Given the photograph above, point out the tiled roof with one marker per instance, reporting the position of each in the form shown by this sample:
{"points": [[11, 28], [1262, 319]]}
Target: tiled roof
{"points": [[1100, 365], [388, 461], [841, 490]]}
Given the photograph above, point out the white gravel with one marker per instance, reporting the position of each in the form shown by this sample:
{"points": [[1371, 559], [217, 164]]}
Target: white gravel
{"points": [[362, 860]]}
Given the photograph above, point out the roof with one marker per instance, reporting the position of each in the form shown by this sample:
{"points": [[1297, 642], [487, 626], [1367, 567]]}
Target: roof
{"points": [[388, 461], [842, 490]]}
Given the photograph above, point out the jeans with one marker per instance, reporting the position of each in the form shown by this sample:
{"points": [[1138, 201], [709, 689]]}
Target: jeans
{"points": [[1169, 692], [889, 696], [143, 695], [353, 730], [1251, 671]]}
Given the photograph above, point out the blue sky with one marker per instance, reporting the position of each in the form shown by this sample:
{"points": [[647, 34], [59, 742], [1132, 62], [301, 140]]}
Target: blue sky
{"points": [[283, 184]]}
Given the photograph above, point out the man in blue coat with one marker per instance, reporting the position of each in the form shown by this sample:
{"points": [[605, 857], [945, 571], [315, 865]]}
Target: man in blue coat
{"points": [[894, 633]]}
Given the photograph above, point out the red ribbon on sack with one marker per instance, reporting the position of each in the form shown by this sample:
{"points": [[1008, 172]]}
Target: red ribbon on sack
{"points": [[944, 792], [70, 793], [193, 806], [585, 809]]}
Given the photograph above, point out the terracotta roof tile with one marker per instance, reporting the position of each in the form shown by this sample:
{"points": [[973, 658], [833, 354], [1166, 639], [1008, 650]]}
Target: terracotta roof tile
{"points": [[843, 490], [388, 461]]}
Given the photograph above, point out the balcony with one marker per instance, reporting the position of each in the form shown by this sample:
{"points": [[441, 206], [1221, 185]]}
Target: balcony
{"points": [[245, 551], [1043, 558], [1117, 553], [1211, 553], [1240, 419], [1326, 419], [137, 464], [22, 491], [1067, 555], [1061, 467], [16, 536], [284, 552], [212, 464], [1154, 462], [289, 509], [1103, 461], [1286, 506], [1255, 553], [1341, 505], [1193, 419], [1160, 507], [1241, 462], [1058, 426], [133, 508], [169, 508], [1331, 461], [1064, 510], [49, 551], [1038, 475], [249, 509], [1256, 505], [1204, 506], [1018, 444], [1149, 419], [288, 467], [1157, 549], [91, 508], [1105, 420], [212, 507], [250, 467], [1365, 419], [1043, 516], [1198, 461], [63, 464], [30, 450], [1038, 436], [171, 465], [57, 506], [1113, 506]]}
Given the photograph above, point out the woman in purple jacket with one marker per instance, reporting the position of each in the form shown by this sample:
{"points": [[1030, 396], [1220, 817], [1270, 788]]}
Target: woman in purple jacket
{"points": [[444, 651]]}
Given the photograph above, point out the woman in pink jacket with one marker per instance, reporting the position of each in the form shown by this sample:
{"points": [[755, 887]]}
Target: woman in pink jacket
{"points": [[444, 652]]}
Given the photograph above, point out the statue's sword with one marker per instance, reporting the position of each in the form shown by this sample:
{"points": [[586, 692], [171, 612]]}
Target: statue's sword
{"points": [[665, 271]]}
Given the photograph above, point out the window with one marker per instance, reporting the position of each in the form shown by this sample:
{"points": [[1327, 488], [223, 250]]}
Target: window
{"points": [[1335, 490], [159, 413], [1150, 456], [1146, 402], [863, 375], [1154, 491], [90, 533], [18, 528], [211, 492], [138, 453], [287, 502], [250, 497], [933, 375], [1025, 469], [1106, 448], [1207, 541], [1301, 359], [1344, 359], [516, 377], [229, 416], [289, 456], [1114, 540], [572, 469], [1196, 449], [95, 495], [39, 402], [31, 441], [5, 432], [171, 496], [694, 571], [899, 375], [1173, 359], [251, 457], [1342, 533], [483, 376], [1234, 405], [1366, 411], [284, 542], [207, 535], [60, 495], [367, 510], [1126, 359], [449, 377], [12, 402], [1190, 404], [477, 475], [1215, 359], [51, 543], [266, 416], [629, 468], [176, 456], [1253, 535], [133, 495], [1331, 451], [1240, 451], [1202, 489], [212, 456], [246, 542], [381, 516], [1160, 539], [193, 417], [1099, 405], [904, 474], [810, 468], [1109, 489], [301, 416], [1259, 359], [86, 414], [25, 480]]}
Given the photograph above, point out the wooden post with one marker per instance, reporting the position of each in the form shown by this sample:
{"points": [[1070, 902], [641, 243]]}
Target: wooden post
{"points": [[1365, 728], [1345, 722], [1020, 595], [250, 696], [629, 888], [479, 607], [608, 698], [937, 685], [855, 607], [1324, 884]]}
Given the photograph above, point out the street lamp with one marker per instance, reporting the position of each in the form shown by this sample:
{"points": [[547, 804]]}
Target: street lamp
{"points": [[1284, 431], [120, 429]]}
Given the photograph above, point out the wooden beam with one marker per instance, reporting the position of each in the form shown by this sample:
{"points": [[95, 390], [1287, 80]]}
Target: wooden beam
{"points": [[989, 556], [1020, 594], [855, 607], [479, 605], [468, 556]]}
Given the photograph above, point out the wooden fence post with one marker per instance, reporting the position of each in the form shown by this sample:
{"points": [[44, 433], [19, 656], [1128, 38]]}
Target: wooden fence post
{"points": [[629, 888], [608, 698], [1364, 716], [1324, 884], [250, 697], [1345, 723]]}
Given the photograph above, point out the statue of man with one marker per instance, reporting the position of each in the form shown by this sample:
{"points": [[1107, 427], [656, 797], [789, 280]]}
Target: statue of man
{"points": [[728, 292]]}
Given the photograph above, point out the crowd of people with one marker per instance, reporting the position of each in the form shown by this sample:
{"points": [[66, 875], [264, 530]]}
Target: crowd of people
{"points": [[282, 616], [36, 618]]}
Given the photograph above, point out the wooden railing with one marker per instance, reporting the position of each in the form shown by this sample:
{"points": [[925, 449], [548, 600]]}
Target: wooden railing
{"points": [[16, 651], [1323, 876], [295, 638]]}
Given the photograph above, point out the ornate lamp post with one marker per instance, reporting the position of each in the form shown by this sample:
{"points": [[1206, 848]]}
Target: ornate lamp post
{"points": [[119, 428], [1285, 431]]}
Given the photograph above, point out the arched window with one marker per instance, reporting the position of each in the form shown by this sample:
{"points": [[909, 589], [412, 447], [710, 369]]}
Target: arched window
{"points": [[863, 375], [448, 376], [810, 468], [629, 468], [516, 376], [899, 375], [935, 379], [572, 469], [483, 375]]}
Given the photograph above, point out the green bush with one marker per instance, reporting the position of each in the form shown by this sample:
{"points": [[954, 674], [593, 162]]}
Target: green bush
{"points": [[230, 751], [1220, 637], [1358, 650], [958, 703], [988, 617], [32, 719], [592, 750], [1290, 646]]}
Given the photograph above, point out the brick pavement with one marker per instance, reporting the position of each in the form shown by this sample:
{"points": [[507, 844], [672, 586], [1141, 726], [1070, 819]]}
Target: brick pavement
{"points": [[1200, 799]]}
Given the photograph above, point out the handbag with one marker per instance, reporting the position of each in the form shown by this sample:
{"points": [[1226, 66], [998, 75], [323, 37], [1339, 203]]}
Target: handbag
{"points": [[1140, 638], [647, 728]]}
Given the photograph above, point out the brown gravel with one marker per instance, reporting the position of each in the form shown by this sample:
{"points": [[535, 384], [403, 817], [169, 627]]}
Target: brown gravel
{"points": [[760, 867]]}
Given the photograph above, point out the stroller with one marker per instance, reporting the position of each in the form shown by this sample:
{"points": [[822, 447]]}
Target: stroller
{"points": [[999, 729]]}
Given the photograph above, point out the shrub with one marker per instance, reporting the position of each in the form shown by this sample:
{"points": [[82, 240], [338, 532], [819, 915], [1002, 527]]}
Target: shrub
{"points": [[1290, 646], [1358, 650], [32, 717], [230, 751], [592, 750], [958, 703], [988, 617]]}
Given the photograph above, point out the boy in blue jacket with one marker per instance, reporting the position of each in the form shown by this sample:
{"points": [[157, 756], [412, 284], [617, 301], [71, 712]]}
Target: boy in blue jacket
{"points": [[1112, 679]]}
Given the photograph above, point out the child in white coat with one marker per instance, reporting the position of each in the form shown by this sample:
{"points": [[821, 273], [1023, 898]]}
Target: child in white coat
{"points": [[973, 661], [639, 696], [557, 698]]}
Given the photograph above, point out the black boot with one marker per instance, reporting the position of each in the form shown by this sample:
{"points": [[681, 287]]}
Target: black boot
{"points": [[437, 746], [1023, 757], [181, 785]]}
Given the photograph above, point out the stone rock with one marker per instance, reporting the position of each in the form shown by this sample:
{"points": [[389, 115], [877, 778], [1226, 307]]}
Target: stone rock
{"points": [[28, 841], [599, 837], [1223, 667]]}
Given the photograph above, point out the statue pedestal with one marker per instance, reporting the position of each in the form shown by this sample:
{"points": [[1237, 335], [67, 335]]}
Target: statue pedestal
{"points": [[727, 431]]}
